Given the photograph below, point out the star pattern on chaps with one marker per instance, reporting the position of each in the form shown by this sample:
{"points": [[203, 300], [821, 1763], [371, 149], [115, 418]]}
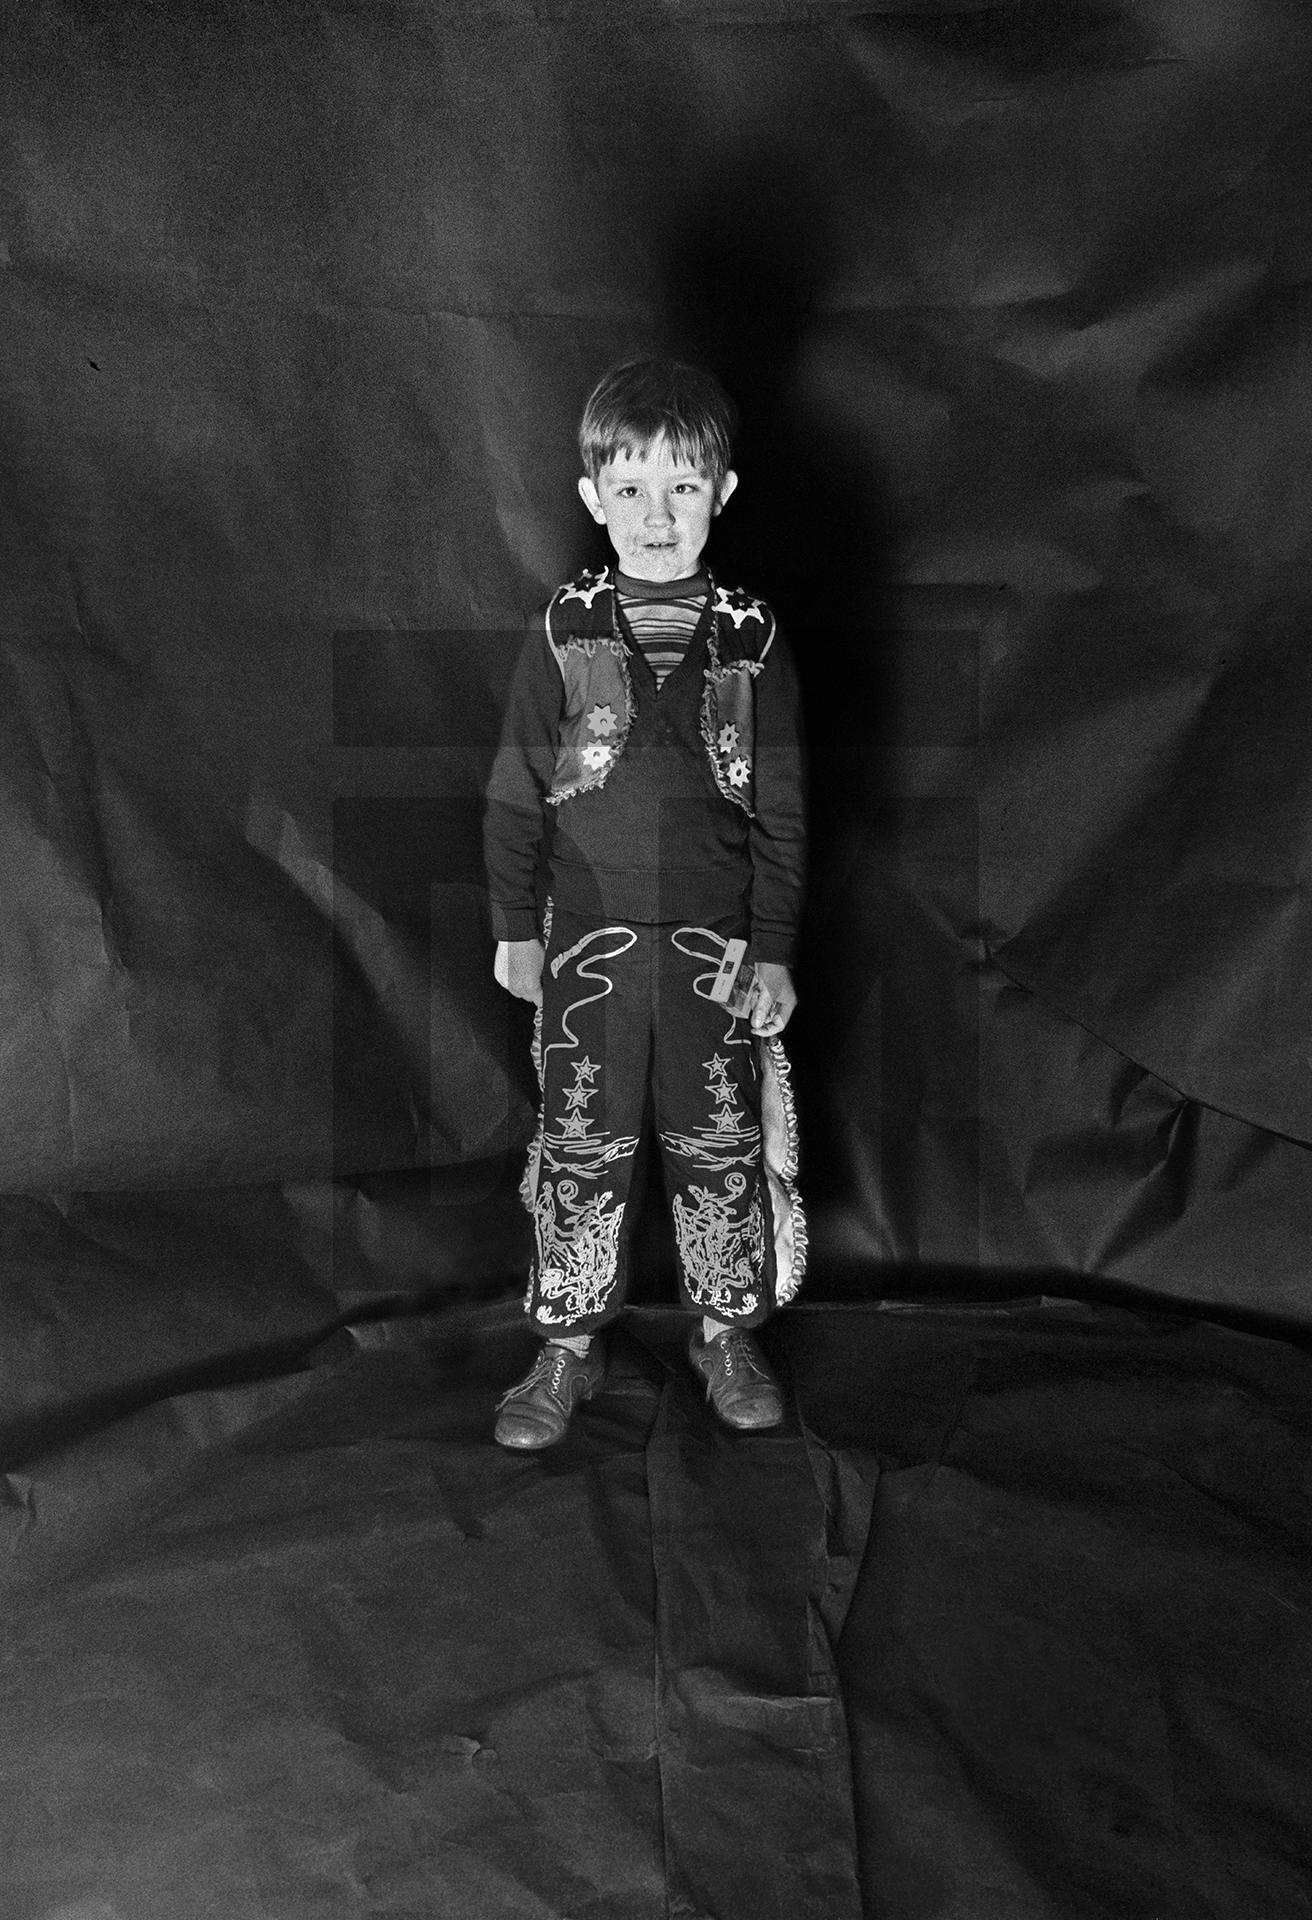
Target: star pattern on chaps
{"points": [[587, 594], [727, 738], [738, 771], [738, 606], [575, 1127], [722, 1090], [602, 721], [594, 755]]}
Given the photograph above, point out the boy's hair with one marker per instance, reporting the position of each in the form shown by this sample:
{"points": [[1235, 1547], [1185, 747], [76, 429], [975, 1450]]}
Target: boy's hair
{"points": [[649, 396]]}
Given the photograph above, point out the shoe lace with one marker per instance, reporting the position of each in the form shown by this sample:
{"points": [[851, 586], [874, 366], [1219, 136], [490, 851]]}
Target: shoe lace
{"points": [[553, 1361], [737, 1347], [548, 1362]]}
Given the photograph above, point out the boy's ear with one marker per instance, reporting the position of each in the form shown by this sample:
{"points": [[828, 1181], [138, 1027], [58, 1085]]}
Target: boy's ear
{"points": [[727, 484], [592, 499]]}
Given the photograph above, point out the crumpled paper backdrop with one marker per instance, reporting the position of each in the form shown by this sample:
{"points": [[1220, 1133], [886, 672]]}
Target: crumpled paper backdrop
{"points": [[300, 309]]}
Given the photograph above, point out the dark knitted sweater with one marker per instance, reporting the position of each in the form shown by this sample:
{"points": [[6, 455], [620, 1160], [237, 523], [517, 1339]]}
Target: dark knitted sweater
{"points": [[658, 841]]}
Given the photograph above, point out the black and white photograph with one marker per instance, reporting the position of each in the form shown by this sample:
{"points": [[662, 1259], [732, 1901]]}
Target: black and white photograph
{"points": [[656, 960]]}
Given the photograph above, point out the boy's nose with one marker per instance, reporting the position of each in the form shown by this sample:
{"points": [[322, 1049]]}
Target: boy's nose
{"points": [[659, 514]]}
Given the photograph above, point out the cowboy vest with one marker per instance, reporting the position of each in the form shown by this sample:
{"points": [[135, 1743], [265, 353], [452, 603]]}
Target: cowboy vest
{"points": [[583, 631]]}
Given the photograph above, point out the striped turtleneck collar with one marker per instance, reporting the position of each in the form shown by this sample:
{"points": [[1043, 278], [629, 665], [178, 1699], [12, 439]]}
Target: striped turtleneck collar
{"points": [[692, 586]]}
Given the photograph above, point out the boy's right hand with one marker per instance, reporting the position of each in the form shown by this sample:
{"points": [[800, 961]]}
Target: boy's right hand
{"points": [[519, 968]]}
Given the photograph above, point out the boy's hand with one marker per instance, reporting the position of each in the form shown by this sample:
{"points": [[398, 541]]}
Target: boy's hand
{"points": [[519, 968], [776, 997]]}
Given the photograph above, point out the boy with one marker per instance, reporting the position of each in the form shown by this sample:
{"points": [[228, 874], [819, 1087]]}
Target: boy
{"points": [[652, 738]]}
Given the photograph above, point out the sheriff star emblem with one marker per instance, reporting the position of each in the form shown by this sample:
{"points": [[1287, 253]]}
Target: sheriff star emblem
{"points": [[738, 607], [587, 594]]}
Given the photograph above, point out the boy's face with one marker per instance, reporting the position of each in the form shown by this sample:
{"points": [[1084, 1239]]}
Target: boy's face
{"points": [[657, 510]]}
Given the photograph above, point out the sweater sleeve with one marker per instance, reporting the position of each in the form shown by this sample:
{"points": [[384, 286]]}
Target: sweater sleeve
{"points": [[514, 822], [778, 832]]}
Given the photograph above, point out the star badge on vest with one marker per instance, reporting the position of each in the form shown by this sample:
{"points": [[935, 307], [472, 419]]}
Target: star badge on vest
{"points": [[738, 605], [587, 594]]}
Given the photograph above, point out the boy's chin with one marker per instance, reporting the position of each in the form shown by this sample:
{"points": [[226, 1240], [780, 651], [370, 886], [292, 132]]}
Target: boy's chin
{"points": [[658, 563]]}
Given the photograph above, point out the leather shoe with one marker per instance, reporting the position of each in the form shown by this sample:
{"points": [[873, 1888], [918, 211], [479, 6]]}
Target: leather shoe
{"points": [[536, 1412], [739, 1381]]}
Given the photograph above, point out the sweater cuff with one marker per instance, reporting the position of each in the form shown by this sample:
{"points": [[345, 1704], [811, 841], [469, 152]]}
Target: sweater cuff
{"points": [[515, 923], [774, 944]]}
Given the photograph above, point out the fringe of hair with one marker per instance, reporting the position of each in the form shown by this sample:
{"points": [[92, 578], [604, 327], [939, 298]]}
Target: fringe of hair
{"points": [[650, 397]]}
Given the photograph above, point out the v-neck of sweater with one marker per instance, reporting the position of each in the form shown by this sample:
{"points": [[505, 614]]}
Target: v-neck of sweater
{"points": [[662, 640]]}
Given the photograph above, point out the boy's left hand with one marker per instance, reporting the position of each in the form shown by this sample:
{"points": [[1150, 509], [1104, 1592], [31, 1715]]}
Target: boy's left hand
{"points": [[776, 996]]}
